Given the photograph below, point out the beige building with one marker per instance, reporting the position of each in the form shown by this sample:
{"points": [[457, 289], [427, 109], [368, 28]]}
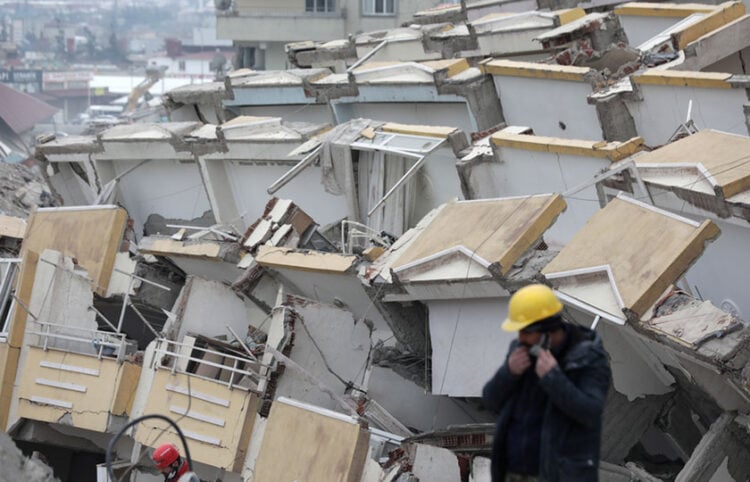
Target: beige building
{"points": [[261, 28]]}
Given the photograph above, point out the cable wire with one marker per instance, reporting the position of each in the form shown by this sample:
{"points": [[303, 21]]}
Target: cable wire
{"points": [[119, 434]]}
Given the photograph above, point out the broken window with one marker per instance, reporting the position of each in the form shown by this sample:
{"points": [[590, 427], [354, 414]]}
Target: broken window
{"points": [[384, 141], [379, 7], [8, 270], [320, 6]]}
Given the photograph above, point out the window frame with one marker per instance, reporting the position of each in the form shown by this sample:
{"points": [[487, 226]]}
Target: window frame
{"points": [[373, 13], [7, 290], [311, 6]]}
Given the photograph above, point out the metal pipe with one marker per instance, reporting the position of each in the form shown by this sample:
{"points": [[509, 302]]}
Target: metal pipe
{"points": [[125, 303], [293, 172], [242, 343], [152, 283], [367, 56], [409, 174], [144, 320]]}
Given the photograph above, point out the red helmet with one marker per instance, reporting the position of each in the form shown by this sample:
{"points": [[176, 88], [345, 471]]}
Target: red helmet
{"points": [[165, 455]]}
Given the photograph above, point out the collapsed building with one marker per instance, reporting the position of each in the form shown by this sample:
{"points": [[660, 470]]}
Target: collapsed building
{"points": [[307, 269]]}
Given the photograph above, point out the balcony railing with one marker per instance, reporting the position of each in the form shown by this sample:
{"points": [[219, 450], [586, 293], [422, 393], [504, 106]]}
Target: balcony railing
{"points": [[177, 356], [91, 342], [356, 235]]}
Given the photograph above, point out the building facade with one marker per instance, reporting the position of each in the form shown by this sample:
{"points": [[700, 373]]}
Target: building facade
{"points": [[261, 28]]}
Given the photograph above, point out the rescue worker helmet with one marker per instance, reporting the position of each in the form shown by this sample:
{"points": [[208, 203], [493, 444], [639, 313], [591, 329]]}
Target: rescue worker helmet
{"points": [[530, 304], [165, 455]]}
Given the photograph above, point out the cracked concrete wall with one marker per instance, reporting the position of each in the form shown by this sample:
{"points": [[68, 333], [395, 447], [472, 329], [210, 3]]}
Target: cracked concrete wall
{"points": [[463, 362], [416, 409], [62, 294], [332, 346], [168, 187], [638, 28], [210, 306]]}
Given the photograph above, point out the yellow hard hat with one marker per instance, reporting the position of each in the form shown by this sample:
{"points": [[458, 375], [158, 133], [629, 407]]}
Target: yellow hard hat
{"points": [[531, 304]]}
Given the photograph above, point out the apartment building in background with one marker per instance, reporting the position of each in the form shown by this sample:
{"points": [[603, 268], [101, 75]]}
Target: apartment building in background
{"points": [[261, 28]]}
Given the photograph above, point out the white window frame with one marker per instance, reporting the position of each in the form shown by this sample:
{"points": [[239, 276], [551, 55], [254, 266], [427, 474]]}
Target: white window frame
{"points": [[328, 7], [369, 8], [9, 268]]}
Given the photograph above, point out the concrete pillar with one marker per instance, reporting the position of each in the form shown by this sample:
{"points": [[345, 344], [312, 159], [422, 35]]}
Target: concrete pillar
{"points": [[615, 119]]}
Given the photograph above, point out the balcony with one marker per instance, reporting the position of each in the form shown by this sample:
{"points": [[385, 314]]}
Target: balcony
{"points": [[279, 26], [211, 394], [86, 385]]}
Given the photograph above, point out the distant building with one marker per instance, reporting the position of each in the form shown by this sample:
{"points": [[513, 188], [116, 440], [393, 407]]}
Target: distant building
{"points": [[261, 28], [194, 65]]}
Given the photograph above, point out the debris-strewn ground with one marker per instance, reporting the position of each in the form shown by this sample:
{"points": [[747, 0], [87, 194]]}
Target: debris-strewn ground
{"points": [[16, 467], [22, 188]]}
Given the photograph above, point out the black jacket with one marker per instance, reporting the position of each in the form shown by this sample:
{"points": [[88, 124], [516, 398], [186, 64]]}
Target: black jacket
{"points": [[571, 430]]}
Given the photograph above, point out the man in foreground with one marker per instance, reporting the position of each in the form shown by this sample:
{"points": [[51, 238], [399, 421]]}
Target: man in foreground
{"points": [[549, 395]]}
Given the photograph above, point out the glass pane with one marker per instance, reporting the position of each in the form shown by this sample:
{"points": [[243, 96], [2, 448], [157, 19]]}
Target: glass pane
{"points": [[379, 6], [309, 5], [390, 6]]}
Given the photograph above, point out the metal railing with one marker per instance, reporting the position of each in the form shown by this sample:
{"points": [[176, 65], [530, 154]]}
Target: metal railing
{"points": [[176, 351], [103, 343], [354, 234]]}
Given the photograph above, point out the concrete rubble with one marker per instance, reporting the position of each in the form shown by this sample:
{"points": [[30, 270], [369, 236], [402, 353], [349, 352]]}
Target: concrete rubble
{"points": [[307, 268]]}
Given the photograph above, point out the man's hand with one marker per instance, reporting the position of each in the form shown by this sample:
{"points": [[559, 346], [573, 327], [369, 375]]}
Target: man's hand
{"points": [[519, 361], [545, 362]]}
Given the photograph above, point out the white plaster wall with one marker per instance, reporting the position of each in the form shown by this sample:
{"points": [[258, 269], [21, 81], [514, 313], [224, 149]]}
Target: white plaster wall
{"points": [[145, 381], [500, 7], [314, 113], [453, 114], [414, 408], [62, 295], [720, 274], [731, 64], [435, 464], [166, 187], [664, 108], [480, 470], [119, 282], [468, 345], [211, 306], [521, 173], [325, 334], [639, 29], [253, 449], [208, 269], [332, 288], [249, 184], [511, 42], [543, 103], [398, 51], [635, 371], [437, 182]]}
